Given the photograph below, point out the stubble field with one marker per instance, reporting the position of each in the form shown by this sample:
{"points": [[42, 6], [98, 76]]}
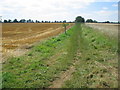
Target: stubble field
{"points": [[15, 35]]}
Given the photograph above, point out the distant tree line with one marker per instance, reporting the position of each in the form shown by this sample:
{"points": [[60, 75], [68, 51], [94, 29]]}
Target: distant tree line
{"points": [[110, 22], [79, 19], [36, 21], [91, 21], [94, 21]]}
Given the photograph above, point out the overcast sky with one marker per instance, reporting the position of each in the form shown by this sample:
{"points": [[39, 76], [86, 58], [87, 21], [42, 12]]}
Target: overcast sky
{"points": [[51, 10]]}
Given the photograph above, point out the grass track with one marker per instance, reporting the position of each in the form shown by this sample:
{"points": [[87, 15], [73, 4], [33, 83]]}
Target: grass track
{"points": [[98, 64]]}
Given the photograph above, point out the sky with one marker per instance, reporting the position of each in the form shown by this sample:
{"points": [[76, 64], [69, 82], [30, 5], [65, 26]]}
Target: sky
{"points": [[51, 10]]}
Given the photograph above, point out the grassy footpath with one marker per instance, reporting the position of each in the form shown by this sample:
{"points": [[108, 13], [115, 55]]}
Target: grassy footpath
{"points": [[42, 64], [98, 63], [96, 67]]}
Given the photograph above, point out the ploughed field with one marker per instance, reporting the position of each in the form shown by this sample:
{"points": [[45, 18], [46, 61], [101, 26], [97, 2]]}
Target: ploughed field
{"points": [[20, 34]]}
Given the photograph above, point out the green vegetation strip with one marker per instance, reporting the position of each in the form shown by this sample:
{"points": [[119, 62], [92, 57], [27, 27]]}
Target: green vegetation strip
{"points": [[98, 63]]}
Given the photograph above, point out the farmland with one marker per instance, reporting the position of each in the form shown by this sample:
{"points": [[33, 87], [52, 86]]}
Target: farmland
{"points": [[109, 29], [85, 57], [22, 35]]}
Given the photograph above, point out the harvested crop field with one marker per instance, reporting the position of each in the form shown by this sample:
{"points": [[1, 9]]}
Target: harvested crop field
{"points": [[107, 28], [21, 34]]}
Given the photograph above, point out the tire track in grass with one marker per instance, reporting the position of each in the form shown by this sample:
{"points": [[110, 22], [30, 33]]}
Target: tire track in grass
{"points": [[65, 75]]}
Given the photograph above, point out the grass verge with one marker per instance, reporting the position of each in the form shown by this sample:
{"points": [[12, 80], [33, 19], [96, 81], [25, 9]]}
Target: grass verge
{"points": [[98, 63]]}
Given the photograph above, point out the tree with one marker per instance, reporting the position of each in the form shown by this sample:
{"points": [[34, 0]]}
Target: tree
{"points": [[9, 21], [37, 21], [79, 19], [107, 21], [32, 21], [22, 21], [64, 21], [0, 19], [95, 21], [29, 21], [46, 21], [15, 21], [5, 21], [89, 21]]}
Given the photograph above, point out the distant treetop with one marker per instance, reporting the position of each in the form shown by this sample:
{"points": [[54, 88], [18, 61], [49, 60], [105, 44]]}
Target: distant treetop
{"points": [[79, 19], [91, 21]]}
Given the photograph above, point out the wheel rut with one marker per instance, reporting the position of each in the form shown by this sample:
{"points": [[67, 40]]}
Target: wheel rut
{"points": [[65, 75]]}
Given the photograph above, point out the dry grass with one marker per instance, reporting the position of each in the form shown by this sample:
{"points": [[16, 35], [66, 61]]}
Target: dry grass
{"points": [[109, 29]]}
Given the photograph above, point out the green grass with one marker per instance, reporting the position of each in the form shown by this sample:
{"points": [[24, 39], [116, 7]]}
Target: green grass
{"points": [[46, 60], [98, 65]]}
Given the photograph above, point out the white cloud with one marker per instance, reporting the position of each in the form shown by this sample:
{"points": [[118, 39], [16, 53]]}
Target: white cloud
{"points": [[40, 9], [44, 9]]}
